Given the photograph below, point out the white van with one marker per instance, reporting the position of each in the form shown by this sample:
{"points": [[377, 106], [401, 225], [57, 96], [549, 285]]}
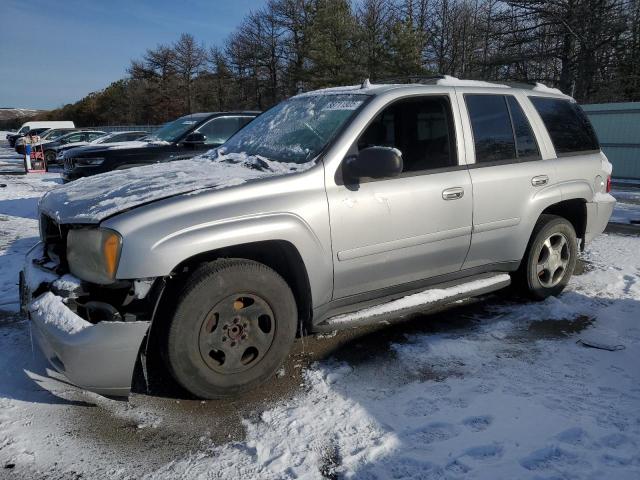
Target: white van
{"points": [[45, 124]]}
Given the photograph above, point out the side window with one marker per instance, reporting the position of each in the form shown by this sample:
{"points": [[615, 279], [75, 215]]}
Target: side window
{"points": [[219, 129], [526, 144], [73, 138], [568, 126], [421, 128], [491, 125]]}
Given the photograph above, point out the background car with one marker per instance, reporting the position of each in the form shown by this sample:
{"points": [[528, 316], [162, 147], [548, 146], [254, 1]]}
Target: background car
{"points": [[183, 138], [40, 125], [79, 137], [108, 138], [46, 136], [34, 131]]}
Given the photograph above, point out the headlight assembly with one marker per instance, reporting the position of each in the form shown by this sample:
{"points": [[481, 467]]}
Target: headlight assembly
{"points": [[93, 254], [85, 162]]}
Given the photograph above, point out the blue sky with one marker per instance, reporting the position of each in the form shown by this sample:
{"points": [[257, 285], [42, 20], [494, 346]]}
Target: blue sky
{"points": [[55, 52]]}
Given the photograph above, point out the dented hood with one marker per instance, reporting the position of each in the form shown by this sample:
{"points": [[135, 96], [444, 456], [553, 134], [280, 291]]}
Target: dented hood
{"points": [[93, 199]]}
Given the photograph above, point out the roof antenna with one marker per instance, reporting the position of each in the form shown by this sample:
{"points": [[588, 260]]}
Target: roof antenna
{"points": [[365, 84]]}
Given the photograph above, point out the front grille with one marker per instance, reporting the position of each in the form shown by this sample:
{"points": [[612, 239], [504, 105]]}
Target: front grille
{"points": [[68, 163]]}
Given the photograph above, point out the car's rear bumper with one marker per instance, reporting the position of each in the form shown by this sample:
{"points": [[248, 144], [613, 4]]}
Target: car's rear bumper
{"points": [[598, 214], [98, 357]]}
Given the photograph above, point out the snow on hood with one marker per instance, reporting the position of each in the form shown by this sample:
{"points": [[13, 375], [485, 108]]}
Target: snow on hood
{"points": [[92, 199]]}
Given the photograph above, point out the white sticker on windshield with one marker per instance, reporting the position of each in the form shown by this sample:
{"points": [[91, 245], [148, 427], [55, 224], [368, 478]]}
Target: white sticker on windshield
{"points": [[189, 122], [342, 105]]}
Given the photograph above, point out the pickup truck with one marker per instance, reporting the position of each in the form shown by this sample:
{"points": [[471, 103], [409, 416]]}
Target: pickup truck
{"points": [[335, 208]]}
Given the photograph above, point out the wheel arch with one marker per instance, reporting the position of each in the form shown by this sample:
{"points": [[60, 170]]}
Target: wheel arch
{"points": [[280, 255], [575, 211]]}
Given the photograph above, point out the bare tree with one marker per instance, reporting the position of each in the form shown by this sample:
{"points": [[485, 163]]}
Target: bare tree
{"points": [[188, 61]]}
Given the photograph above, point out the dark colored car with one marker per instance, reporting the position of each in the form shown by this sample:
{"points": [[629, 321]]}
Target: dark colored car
{"points": [[107, 138], [183, 138], [46, 136], [78, 137], [12, 137]]}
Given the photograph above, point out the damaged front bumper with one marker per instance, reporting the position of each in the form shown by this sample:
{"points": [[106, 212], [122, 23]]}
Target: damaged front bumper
{"points": [[99, 357]]}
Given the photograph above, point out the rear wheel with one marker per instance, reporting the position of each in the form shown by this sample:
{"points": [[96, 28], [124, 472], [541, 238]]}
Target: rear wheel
{"points": [[233, 327], [550, 258]]}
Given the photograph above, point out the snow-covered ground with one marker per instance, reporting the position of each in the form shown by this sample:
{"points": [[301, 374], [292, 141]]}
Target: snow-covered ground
{"points": [[495, 389]]}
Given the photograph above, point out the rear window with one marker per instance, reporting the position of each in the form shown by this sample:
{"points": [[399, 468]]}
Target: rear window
{"points": [[568, 126]]}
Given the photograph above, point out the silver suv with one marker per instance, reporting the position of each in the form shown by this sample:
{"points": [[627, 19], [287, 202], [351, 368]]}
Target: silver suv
{"points": [[335, 208]]}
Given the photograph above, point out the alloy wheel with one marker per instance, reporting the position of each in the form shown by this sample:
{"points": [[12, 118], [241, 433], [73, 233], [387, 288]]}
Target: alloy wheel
{"points": [[553, 260]]}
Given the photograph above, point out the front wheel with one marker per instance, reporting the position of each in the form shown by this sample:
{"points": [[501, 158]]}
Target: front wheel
{"points": [[233, 326], [550, 258]]}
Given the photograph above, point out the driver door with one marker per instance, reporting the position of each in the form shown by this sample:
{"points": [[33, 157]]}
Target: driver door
{"points": [[398, 231]]}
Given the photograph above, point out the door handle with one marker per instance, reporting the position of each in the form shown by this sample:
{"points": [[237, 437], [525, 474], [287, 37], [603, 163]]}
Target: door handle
{"points": [[453, 193], [539, 180]]}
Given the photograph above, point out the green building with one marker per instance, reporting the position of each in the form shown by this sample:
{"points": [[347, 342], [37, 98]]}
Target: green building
{"points": [[618, 129]]}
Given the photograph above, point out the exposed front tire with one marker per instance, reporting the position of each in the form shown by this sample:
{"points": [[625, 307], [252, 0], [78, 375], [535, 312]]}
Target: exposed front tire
{"points": [[50, 156], [233, 326], [550, 258]]}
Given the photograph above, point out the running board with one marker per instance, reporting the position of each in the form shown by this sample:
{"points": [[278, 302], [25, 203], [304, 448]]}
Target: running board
{"points": [[422, 302]]}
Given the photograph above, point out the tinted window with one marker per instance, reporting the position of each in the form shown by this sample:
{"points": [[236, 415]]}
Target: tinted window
{"points": [[491, 124], [422, 129], [567, 124], [244, 120], [220, 129], [526, 145]]}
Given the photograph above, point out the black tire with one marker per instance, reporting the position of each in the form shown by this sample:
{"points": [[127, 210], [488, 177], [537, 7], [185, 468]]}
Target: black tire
{"points": [[212, 295], [50, 156], [534, 278]]}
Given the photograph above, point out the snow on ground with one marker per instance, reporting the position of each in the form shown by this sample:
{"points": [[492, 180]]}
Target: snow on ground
{"points": [[19, 195], [498, 389]]}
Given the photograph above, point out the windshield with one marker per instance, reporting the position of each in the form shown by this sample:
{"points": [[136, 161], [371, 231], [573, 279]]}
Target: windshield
{"points": [[174, 130], [53, 134], [296, 130], [47, 134], [104, 138]]}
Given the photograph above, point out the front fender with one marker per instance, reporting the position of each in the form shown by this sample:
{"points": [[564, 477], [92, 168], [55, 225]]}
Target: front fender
{"points": [[138, 261]]}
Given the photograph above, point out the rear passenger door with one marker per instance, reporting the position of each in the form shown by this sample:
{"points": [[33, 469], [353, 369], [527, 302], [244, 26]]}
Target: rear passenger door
{"points": [[507, 172]]}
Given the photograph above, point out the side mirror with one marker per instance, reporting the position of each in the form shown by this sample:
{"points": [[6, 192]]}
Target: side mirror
{"points": [[374, 162], [194, 139]]}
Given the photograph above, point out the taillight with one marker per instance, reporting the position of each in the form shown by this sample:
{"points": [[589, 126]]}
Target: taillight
{"points": [[609, 184]]}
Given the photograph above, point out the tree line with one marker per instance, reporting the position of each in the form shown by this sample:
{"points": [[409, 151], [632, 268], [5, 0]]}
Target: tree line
{"points": [[587, 48]]}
